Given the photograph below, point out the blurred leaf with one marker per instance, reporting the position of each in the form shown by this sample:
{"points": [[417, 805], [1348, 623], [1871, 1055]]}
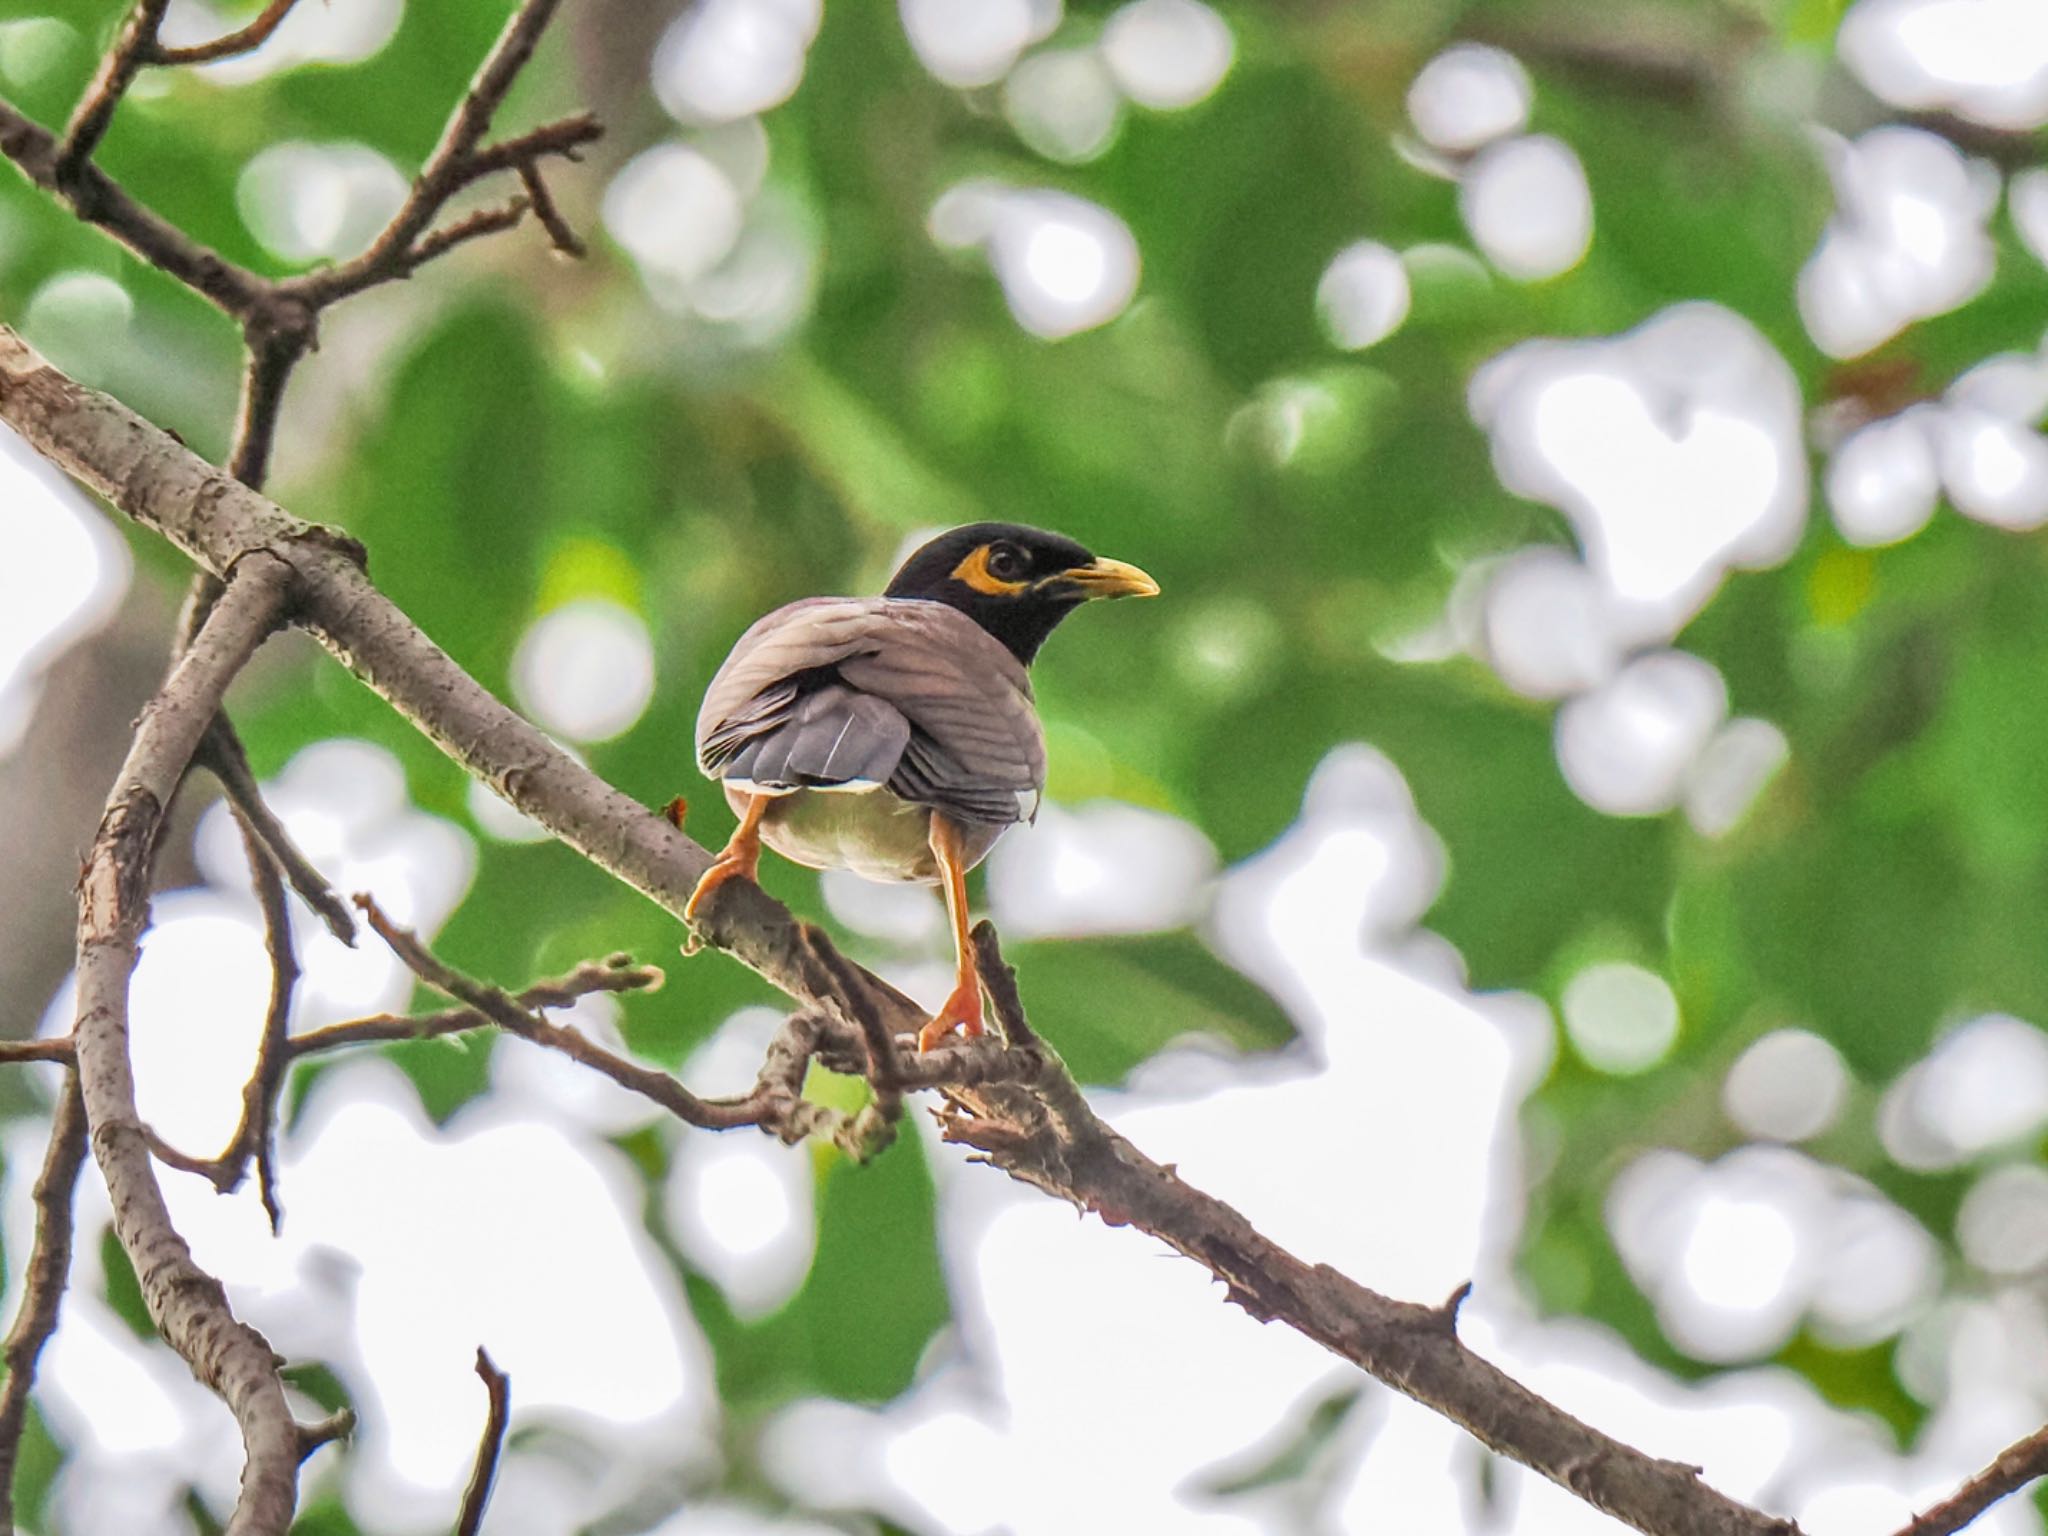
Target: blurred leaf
{"points": [[1108, 1003]]}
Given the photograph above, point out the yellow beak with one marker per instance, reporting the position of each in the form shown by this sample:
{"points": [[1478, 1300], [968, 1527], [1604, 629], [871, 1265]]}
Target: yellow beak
{"points": [[1109, 578]]}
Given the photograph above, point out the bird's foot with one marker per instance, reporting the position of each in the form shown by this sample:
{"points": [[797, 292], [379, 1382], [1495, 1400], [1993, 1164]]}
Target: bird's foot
{"points": [[744, 861], [961, 1011]]}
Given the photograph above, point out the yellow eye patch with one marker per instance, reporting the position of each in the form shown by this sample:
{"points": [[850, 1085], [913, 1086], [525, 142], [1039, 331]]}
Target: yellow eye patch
{"points": [[974, 572]]}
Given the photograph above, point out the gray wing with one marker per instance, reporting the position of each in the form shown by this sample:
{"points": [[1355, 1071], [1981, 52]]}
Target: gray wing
{"points": [[826, 736], [849, 692]]}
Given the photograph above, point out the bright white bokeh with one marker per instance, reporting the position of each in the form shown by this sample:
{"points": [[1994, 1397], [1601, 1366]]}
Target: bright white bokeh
{"points": [[1883, 482], [2003, 1225], [1363, 295], [1984, 1085], [1099, 868], [1908, 239], [1986, 60], [1737, 1253], [1063, 103], [1546, 625], [1729, 773], [2026, 199], [333, 33], [313, 202], [585, 670], [1066, 265], [1528, 207], [549, 1086], [1468, 96], [726, 59], [1676, 449], [1995, 468], [968, 43], [66, 580], [1167, 54], [1787, 1086], [899, 912], [345, 805], [676, 212], [1627, 746], [740, 1209], [83, 322], [1620, 1018]]}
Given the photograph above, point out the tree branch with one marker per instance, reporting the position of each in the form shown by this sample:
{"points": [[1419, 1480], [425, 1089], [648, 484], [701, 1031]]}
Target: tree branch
{"points": [[2016, 1466], [95, 111], [187, 1304], [42, 1288], [1042, 1132], [245, 40], [456, 161], [498, 1387]]}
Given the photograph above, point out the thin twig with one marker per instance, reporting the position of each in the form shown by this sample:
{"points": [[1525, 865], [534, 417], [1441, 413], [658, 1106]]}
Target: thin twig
{"points": [[42, 1288], [118, 69], [498, 1386], [2015, 1467], [58, 1049], [222, 755], [256, 1135], [404, 244], [99, 200], [485, 221], [565, 239], [504, 1010], [338, 1425], [245, 40], [616, 974], [565, 137]]}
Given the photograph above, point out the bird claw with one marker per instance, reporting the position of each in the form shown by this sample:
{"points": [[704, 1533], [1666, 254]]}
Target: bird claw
{"points": [[722, 869], [961, 1011]]}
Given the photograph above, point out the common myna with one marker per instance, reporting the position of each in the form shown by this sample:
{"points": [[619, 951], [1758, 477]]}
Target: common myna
{"points": [[895, 736]]}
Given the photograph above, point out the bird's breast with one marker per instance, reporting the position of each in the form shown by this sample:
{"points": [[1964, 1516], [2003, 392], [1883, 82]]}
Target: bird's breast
{"points": [[872, 832]]}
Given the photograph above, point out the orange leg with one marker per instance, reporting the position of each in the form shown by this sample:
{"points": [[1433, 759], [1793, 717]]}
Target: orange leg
{"points": [[963, 1008], [741, 855]]}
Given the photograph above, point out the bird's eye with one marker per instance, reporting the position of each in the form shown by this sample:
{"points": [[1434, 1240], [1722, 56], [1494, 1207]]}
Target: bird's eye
{"points": [[1006, 562]]}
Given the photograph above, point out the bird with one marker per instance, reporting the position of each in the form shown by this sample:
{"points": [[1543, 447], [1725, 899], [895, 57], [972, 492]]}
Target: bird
{"points": [[896, 736]]}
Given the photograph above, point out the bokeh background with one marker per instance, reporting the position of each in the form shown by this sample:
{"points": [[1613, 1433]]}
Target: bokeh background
{"points": [[1577, 818]]}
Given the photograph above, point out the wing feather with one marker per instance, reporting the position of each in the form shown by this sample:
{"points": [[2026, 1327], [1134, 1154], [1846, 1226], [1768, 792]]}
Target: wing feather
{"points": [[912, 694]]}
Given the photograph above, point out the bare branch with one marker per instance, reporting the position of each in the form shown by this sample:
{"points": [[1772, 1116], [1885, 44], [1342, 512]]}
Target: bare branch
{"points": [[615, 974], [336, 1426], [564, 137], [485, 221], [99, 200], [42, 1290], [504, 1010], [256, 1135], [489, 1448], [58, 1049], [1039, 1129], [117, 71], [222, 755], [245, 40], [565, 239], [2017, 1465], [457, 160], [187, 1304]]}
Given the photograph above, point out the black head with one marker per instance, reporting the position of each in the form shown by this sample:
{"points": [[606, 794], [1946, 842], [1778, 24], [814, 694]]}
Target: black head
{"points": [[1015, 582]]}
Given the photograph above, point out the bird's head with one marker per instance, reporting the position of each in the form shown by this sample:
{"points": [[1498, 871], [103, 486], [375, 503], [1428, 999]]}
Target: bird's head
{"points": [[1015, 582]]}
